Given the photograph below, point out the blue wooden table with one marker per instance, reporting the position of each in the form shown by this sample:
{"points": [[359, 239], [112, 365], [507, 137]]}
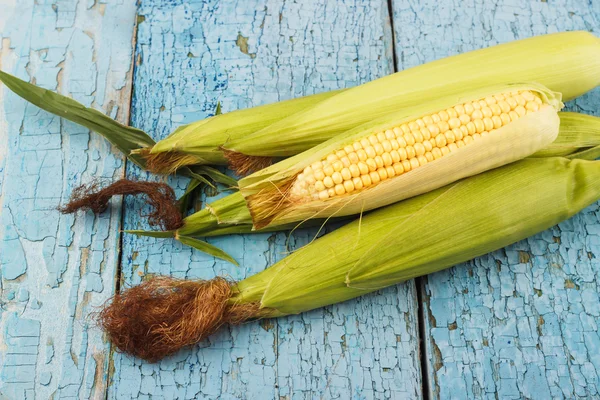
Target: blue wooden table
{"points": [[519, 323]]}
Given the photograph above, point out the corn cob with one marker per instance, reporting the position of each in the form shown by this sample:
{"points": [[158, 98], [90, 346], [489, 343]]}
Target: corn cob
{"points": [[578, 133], [405, 154], [427, 233]]}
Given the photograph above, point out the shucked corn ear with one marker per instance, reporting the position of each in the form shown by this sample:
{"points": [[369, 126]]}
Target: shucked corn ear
{"points": [[405, 154], [419, 236], [578, 135], [567, 62]]}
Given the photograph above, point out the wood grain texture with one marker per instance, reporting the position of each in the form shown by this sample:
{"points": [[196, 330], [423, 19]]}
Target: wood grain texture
{"points": [[520, 322], [190, 55], [54, 269]]}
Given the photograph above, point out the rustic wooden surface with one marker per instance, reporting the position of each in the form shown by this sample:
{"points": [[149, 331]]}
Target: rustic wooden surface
{"points": [[518, 323]]}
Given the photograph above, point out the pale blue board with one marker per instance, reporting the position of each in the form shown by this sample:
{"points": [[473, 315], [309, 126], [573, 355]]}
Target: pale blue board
{"points": [[521, 322], [189, 55], [55, 269]]}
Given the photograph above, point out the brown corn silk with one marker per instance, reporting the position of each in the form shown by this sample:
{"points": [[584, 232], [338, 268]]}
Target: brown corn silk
{"points": [[419, 236]]}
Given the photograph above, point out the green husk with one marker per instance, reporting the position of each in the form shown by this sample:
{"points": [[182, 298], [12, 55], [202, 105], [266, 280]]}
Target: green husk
{"points": [[579, 136], [426, 233], [567, 62], [269, 202]]}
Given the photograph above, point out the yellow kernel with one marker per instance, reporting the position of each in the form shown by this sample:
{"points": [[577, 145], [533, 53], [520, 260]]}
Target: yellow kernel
{"points": [[387, 146], [445, 150], [460, 109], [421, 123], [316, 165], [405, 129], [319, 175], [520, 110], [513, 115], [444, 115], [353, 157], [371, 153], [435, 118], [440, 140], [433, 129], [402, 152], [363, 168], [520, 100], [349, 186], [429, 156], [339, 189], [504, 118], [490, 100], [346, 175], [467, 140], [532, 106], [337, 166], [419, 149], [394, 144], [410, 151], [357, 146], [482, 103], [395, 156], [512, 103], [398, 168], [358, 183], [477, 136], [454, 123], [499, 97], [328, 170], [389, 134], [418, 136], [345, 161], [479, 126], [390, 171], [378, 149], [401, 141], [319, 186], [487, 112], [484, 134], [460, 143], [373, 139], [382, 174], [427, 120], [354, 171], [337, 177], [379, 161], [452, 147], [527, 95], [323, 195], [310, 179], [406, 165], [412, 125], [477, 114], [331, 192], [409, 139], [436, 153], [504, 106], [414, 163], [422, 160], [308, 170], [463, 129], [366, 180], [496, 110], [387, 159], [340, 154], [538, 100], [426, 133], [348, 149], [464, 119], [328, 182], [469, 109], [450, 137], [427, 144], [380, 137], [331, 158], [444, 126], [371, 164], [497, 121], [476, 106], [488, 124], [374, 177], [452, 112], [471, 127], [364, 142]]}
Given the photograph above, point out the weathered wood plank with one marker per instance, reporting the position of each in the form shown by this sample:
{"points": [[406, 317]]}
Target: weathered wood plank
{"points": [[243, 53], [521, 322], [55, 269]]}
